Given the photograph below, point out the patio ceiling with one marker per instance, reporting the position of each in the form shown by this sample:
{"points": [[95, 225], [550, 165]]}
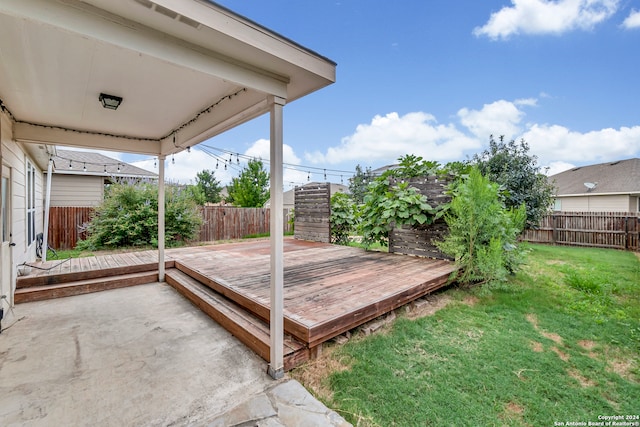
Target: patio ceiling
{"points": [[186, 70]]}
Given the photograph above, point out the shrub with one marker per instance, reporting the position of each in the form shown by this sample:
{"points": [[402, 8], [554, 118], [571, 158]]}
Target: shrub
{"points": [[343, 218], [129, 217], [482, 232]]}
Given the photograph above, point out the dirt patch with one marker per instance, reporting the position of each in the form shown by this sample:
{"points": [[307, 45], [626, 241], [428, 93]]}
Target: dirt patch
{"points": [[562, 355], [512, 412], [313, 375], [552, 336], [427, 306], [470, 300], [536, 346], [533, 319], [587, 344], [622, 367], [582, 380], [556, 262]]}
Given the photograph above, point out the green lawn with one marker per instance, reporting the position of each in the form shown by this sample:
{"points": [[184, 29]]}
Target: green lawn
{"points": [[559, 343]]}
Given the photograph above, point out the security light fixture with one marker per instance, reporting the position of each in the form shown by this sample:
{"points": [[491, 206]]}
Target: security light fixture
{"points": [[110, 102]]}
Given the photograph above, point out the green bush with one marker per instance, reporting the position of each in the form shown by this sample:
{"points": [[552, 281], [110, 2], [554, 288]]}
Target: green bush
{"points": [[482, 232], [128, 217], [343, 218]]}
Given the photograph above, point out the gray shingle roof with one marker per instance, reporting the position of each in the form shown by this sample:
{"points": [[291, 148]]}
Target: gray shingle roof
{"points": [[621, 176], [95, 163]]}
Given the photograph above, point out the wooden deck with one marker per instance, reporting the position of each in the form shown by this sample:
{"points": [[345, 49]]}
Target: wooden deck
{"points": [[328, 289]]}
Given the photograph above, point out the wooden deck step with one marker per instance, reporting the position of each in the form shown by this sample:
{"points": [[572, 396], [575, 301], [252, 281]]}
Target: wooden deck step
{"points": [[78, 287], [55, 277], [248, 328]]}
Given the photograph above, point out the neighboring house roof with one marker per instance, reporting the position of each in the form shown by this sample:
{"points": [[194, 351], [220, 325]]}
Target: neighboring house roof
{"points": [[619, 177], [96, 164]]}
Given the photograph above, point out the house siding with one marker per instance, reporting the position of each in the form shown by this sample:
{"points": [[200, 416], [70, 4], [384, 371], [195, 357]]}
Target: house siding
{"points": [[603, 203], [76, 190], [15, 158]]}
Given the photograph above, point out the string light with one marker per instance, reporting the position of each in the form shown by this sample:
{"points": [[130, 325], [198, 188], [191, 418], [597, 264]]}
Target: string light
{"points": [[105, 168], [155, 162], [84, 167], [173, 160], [189, 149], [70, 165], [118, 167], [207, 110]]}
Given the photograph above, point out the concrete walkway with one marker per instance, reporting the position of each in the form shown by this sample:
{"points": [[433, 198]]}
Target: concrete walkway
{"points": [[139, 356]]}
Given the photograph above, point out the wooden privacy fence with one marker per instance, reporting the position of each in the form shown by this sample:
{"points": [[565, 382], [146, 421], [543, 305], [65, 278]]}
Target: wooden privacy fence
{"points": [[618, 230], [228, 222], [67, 224], [312, 212], [420, 240]]}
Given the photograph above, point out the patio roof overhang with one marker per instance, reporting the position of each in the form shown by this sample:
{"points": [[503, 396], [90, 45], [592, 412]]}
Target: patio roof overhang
{"points": [[186, 70]]}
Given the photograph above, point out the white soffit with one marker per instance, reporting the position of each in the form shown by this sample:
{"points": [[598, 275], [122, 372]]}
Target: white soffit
{"points": [[57, 56]]}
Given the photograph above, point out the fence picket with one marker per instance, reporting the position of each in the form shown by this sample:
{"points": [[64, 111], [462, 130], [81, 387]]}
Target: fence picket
{"points": [[617, 230]]}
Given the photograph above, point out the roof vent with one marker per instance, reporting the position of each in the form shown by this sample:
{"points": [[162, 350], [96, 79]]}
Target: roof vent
{"points": [[145, 3], [166, 12], [190, 22], [614, 163]]}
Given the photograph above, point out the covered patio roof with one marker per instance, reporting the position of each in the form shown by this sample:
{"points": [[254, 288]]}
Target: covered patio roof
{"points": [[186, 70]]}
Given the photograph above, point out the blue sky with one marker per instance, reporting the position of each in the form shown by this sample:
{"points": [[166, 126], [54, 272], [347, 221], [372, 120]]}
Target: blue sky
{"points": [[436, 78]]}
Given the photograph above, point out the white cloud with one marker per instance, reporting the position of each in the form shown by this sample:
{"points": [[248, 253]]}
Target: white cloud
{"points": [[557, 167], [546, 17], [555, 143], [498, 118], [388, 137], [183, 167], [291, 176], [633, 20]]}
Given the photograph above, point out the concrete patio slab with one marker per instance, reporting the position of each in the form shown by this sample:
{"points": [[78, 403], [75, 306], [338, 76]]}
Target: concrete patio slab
{"points": [[138, 356]]}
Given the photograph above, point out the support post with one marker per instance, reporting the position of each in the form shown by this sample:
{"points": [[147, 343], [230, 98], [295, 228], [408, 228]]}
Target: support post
{"points": [[276, 364], [161, 198], [47, 206]]}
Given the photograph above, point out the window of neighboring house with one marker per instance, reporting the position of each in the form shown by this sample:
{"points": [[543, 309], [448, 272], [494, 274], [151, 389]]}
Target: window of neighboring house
{"points": [[31, 203], [557, 205]]}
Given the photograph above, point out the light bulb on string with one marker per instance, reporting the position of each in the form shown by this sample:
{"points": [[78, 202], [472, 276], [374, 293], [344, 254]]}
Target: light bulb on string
{"points": [[325, 174], [118, 167], [173, 160], [217, 164], [84, 167], [70, 165], [105, 168], [308, 176], [155, 162], [237, 158]]}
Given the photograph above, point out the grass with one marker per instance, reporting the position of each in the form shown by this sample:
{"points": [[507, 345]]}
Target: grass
{"points": [[559, 342]]}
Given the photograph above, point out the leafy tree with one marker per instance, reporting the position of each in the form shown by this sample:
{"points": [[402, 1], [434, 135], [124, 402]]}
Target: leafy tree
{"points": [[209, 185], [358, 184], [342, 218], [510, 165], [129, 217], [251, 188], [482, 231]]}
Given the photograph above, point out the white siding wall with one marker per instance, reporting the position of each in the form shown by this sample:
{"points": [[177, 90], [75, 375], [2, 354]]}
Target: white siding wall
{"points": [[14, 157], [76, 190], [634, 204], [618, 203]]}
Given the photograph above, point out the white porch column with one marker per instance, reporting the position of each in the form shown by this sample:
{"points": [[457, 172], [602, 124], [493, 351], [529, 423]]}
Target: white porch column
{"points": [[47, 206], [161, 218], [276, 365]]}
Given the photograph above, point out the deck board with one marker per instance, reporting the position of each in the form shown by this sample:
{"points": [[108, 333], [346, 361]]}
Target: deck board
{"points": [[328, 289]]}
